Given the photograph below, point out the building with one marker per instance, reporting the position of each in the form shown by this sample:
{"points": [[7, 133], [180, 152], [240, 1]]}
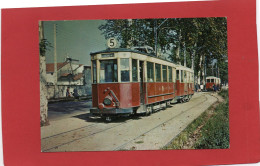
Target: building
{"points": [[69, 75]]}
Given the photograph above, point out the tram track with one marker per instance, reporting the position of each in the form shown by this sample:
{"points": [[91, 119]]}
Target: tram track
{"points": [[73, 140], [89, 130], [144, 133]]}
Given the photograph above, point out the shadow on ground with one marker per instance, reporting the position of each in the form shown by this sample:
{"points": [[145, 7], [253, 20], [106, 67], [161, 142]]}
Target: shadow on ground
{"points": [[88, 117]]}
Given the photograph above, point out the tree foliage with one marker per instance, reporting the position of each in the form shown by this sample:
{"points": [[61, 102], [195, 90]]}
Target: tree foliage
{"points": [[44, 46], [192, 38]]}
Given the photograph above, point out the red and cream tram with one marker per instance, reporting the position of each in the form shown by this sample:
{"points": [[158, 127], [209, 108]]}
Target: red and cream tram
{"points": [[126, 81], [184, 83], [212, 81]]}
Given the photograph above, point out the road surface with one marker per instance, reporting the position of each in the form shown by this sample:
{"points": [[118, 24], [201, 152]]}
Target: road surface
{"points": [[82, 132], [61, 110]]}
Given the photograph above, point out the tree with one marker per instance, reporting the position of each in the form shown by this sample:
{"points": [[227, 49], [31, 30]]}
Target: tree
{"points": [[192, 41], [43, 46]]}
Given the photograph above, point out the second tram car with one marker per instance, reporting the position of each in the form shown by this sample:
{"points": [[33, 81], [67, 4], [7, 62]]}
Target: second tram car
{"points": [[212, 81], [126, 81]]}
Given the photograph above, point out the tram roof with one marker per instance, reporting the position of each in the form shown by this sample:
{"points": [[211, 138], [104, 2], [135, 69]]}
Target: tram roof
{"points": [[128, 50], [180, 67], [211, 77]]}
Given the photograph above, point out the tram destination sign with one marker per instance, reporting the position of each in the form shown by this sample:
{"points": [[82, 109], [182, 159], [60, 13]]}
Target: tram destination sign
{"points": [[107, 55]]}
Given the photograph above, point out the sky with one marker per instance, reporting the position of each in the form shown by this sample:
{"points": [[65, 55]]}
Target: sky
{"points": [[75, 39]]}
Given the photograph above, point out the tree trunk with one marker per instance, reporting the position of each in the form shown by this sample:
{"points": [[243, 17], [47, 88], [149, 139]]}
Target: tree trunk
{"points": [[193, 56], [184, 54], [178, 55], [43, 93], [43, 88], [203, 70], [199, 72]]}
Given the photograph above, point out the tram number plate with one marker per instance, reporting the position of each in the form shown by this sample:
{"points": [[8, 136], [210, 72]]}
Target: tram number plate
{"points": [[107, 55]]}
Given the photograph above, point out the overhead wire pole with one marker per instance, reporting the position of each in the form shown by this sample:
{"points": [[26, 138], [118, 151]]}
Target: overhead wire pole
{"points": [[205, 72], [55, 63], [155, 33]]}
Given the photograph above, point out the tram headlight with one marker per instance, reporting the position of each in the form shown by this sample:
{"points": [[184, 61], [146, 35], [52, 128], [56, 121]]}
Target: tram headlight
{"points": [[107, 101]]}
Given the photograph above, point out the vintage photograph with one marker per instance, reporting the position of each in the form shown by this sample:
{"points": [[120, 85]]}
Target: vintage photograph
{"points": [[134, 84]]}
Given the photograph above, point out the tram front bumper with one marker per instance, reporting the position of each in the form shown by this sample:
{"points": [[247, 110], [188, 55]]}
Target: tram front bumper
{"points": [[111, 111]]}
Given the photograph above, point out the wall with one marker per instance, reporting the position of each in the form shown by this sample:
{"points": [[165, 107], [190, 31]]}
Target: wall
{"points": [[62, 89]]}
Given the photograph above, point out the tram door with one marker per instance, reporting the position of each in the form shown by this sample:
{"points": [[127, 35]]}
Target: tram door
{"points": [[142, 88]]}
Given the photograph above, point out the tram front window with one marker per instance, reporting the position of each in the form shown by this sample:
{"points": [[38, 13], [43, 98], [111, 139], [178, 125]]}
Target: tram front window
{"points": [[108, 71]]}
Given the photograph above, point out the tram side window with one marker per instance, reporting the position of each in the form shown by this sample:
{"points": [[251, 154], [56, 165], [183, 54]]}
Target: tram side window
{"points": [[158, 72], [124, 66], [212, 80], [164, 68], [94, 70], [208, 80], [188, 77], [108, 71], [177, 74], [185, 75], [150, 72], [170, 74], [134, 70], [181, 73]]}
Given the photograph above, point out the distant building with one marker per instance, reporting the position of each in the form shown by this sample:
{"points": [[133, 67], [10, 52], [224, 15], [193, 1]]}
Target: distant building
{"points": [[69, 75]]}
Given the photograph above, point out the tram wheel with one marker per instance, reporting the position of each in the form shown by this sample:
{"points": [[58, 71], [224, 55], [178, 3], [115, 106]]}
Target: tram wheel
{"points": [[148, 111]]}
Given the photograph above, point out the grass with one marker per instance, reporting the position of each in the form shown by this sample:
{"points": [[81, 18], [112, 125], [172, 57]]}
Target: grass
{"points": [[209, 131], [215, 133]]}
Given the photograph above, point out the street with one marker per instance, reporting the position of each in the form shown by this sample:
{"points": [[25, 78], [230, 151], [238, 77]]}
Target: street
{"points": [[76, 130], [61, 110]]}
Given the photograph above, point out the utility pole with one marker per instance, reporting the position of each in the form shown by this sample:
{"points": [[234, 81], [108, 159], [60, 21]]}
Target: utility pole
{"points": [[212, 69], [184, 54], [155, 33], [216, 68], [205, 72], [55, 63], [218, 72], [155, 37]]}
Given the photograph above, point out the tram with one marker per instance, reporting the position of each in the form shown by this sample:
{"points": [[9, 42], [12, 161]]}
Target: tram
{"points": [[212, 81], [128, 81]]}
